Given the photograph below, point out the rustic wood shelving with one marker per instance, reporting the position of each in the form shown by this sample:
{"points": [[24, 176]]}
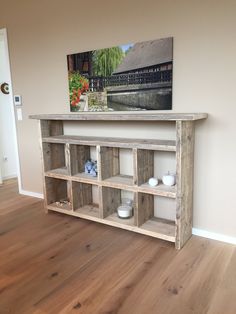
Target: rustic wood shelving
{"points": [[64, 157]]}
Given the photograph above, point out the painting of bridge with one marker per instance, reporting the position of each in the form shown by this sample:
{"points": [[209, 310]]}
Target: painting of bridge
{"points": [[123, 78]]}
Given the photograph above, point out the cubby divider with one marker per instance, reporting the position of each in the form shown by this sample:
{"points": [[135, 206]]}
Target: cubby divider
{"points": [[143, 165]]}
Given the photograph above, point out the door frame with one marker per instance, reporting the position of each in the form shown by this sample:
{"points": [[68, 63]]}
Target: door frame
{"points": [[3, 31]]}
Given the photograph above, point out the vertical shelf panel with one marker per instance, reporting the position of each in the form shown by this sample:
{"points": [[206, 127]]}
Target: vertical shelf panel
{"points": [[143, 165], [111, 199], [145, 208], [184, 171], [109, 162], [82, 194], [79, 155]]}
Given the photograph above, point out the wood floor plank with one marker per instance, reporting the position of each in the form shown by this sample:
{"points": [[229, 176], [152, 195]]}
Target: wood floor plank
{"points": [[57, 264]]}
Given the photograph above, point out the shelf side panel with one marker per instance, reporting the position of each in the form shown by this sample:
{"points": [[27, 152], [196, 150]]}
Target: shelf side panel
{"points": [[184, 171], [144, 207]]}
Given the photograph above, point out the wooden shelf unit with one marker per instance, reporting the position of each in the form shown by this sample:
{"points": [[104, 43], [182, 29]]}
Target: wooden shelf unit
{"points": [[64, 157]]}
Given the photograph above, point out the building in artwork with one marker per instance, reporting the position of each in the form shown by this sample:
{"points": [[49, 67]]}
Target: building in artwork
{"points": [[148, 56], [80, 62], [144, 78]]}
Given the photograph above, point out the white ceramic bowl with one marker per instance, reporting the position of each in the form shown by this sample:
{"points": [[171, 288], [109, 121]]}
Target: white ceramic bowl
{"points": [[169, 179], [124, 211]]}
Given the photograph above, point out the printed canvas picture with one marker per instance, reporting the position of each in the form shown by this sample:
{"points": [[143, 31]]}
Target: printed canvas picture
{"points": [[123, 78]]}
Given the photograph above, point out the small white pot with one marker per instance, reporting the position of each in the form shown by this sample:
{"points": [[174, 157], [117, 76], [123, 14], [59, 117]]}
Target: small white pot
{"points": [[124, 211], [153, 182], [169, 179]]}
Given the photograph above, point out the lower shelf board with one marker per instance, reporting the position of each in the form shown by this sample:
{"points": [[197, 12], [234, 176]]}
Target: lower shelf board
{"points": [[155, 227], [114, 217], [164, 227], [64, 207], [88, 210]]}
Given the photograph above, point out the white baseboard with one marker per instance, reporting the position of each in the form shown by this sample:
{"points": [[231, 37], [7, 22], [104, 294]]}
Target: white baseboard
{"points": [[214, 236], [12, 176], [29, 193]]}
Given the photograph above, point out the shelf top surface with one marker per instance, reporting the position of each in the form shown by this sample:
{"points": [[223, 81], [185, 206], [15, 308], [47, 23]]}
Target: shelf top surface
{"points": [[110, 116]]}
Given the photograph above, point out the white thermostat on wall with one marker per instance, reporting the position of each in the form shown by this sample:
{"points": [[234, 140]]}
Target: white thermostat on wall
{"points": [[17, 100]]}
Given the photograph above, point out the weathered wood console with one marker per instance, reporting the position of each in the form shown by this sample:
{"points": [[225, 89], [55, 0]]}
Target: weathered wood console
{"points": [[64, 157]]}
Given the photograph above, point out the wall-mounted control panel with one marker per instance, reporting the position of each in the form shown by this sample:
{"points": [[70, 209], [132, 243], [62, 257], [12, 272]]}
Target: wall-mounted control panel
{"points": [[17, 100]]}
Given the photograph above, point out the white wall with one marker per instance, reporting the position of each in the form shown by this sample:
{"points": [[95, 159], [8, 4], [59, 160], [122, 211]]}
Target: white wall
{"points": [[7, 146]]}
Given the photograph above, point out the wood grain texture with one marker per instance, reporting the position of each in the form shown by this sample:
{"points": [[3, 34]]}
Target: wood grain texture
{"points": [[109, 162], [110, 181], [81, 195], [51, 128], [56, 190], [141, 116], [145, 207], [143, 165], [79, 155], [155, 144], [111, 199], [54, 157], [184, 181], [53, 264]]}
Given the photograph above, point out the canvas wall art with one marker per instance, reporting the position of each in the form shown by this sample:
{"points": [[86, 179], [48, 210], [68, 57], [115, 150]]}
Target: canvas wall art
{"points": [[128, 77]]}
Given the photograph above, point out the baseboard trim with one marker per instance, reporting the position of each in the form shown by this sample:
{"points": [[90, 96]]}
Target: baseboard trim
{"points": [[214, 236], [29, 193], [12, 176]]}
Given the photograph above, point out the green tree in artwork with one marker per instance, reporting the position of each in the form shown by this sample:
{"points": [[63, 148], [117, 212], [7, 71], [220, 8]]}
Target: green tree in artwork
{"points": [[105, 61]]}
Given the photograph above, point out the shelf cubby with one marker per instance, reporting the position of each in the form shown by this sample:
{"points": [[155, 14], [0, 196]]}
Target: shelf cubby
{"points": [[111, 199], [148, 221], [55, 158], [85, 199], [112, 160], [79, 154], [151, 163], [58, 194]]}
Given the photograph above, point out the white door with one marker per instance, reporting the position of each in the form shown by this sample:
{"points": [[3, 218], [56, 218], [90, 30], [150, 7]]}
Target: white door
{"points": [[8, 152]]}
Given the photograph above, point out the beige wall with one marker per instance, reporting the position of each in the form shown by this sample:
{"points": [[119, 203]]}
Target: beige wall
{"points": [[42, 33]]}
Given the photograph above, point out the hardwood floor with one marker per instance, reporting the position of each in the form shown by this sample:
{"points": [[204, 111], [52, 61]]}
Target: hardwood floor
{"points": [[58, 264]]}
